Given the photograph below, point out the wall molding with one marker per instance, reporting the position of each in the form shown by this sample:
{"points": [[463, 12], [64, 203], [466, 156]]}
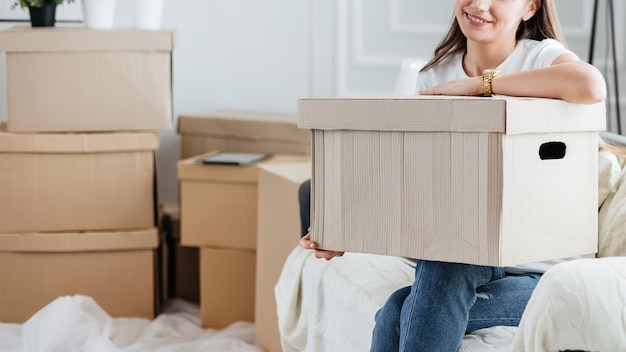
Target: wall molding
{"points": [[351, 42]]}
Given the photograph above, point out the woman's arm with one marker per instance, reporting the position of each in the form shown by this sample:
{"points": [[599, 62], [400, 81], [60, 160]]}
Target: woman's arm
{"points": [[568, 79]]}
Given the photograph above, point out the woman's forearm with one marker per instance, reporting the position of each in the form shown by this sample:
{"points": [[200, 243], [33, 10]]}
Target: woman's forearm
{"points": [[575, 82]]}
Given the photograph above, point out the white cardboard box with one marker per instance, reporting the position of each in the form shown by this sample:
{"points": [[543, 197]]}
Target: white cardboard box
{"points": [[456, 179], [79, 79]]}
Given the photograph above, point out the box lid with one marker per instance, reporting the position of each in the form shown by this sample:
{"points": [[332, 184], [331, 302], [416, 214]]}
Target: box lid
{"points": [[76, 142], [190, 170], [54, 39], [510, 115], [79, 241], [252, 125]]}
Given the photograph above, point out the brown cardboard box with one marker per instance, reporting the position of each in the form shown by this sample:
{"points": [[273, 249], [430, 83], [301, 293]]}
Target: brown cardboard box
{"points": [[114, 268], [226, 286], [80, 79], [278, 234], [459, 179], [76, 182], [218, 203], [242, 131]]}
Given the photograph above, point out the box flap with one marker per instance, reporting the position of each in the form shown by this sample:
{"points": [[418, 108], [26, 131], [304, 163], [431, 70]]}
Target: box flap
{"points": [[501, 114], [76, 142], [190, 170], [251, 125], [54, 39], [79, 241]]}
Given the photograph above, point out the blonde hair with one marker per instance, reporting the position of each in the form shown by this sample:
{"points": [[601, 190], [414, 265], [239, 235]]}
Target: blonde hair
{"points": [[543, 25]]}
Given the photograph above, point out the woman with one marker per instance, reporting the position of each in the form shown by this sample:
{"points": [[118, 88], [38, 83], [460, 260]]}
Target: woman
{"points": [[508, 47]]}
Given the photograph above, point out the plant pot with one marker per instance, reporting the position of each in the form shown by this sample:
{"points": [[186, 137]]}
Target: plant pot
{"points": [[43, 16], [99, 14], [149, 13]]}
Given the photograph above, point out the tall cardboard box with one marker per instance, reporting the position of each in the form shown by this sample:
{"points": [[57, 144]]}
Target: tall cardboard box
{"points": [[278, 233], [218, 203], [226, 286], [115, 268], [80, 79], [242, 131], [490, 181], [76, 182]]}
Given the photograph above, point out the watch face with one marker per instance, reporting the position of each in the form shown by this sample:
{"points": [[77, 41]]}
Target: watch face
{"points": [[490, 71]]}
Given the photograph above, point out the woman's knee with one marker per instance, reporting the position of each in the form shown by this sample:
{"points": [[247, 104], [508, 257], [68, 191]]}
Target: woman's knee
{"points": [[389, 314]]}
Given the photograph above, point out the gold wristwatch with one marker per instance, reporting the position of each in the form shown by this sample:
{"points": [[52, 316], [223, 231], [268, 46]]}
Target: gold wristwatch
{"points": [[488, 76]]}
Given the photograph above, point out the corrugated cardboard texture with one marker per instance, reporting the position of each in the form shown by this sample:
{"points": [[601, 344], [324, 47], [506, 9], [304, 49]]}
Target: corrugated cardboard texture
{"points": [[242, 131], [218, 203], [278, 230], [71, 182], [472, 197], [120, 279], [87, 80], [226, 287]]}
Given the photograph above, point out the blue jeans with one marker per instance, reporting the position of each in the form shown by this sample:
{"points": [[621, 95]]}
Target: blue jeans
{"points": [[446, 301]]}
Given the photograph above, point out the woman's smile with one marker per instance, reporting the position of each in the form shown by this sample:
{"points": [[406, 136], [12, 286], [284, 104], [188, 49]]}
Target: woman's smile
{"points": [[476, 20]]}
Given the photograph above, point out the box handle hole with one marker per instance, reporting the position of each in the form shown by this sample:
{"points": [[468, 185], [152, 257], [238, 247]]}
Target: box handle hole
{"points": [[552, 150]]}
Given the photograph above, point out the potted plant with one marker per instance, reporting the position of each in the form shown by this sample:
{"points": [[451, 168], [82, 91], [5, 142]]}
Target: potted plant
{"points": [[42, 12], [99, 14]]}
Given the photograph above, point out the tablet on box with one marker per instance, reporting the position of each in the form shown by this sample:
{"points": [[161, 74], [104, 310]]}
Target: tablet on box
{"points": [[234, 158]]}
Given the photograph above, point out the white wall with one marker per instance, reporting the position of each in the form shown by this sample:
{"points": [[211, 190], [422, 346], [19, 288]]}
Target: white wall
{"points": [[241, 54], [265, 54]]}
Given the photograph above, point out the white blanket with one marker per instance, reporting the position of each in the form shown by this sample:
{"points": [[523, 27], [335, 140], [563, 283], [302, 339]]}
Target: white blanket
{"points": [[77, 323], [330, 305], [578, 305]]}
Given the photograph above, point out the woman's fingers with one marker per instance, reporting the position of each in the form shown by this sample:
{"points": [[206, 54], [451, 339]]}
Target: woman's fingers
{"points": [[328, 255], [306, 243]]}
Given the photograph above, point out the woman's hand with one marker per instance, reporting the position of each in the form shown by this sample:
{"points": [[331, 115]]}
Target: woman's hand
{"points": [[472, 86], [306, 243]]}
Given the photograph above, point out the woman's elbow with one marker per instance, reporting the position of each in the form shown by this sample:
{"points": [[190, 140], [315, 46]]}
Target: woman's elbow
{"points": [[590, 88]]}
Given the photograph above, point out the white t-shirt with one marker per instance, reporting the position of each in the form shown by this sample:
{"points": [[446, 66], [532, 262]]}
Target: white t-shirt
{"points": [[528, 54]]}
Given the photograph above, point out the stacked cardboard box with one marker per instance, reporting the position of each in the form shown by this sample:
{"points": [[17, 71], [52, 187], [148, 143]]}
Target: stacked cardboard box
{"points": [[242, 131], [219, 204], [77, 199], [219, 207]]}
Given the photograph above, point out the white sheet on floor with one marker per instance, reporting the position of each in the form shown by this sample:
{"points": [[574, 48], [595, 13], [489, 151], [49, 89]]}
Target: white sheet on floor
{"points": [[330, 305], [78, 323]]}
